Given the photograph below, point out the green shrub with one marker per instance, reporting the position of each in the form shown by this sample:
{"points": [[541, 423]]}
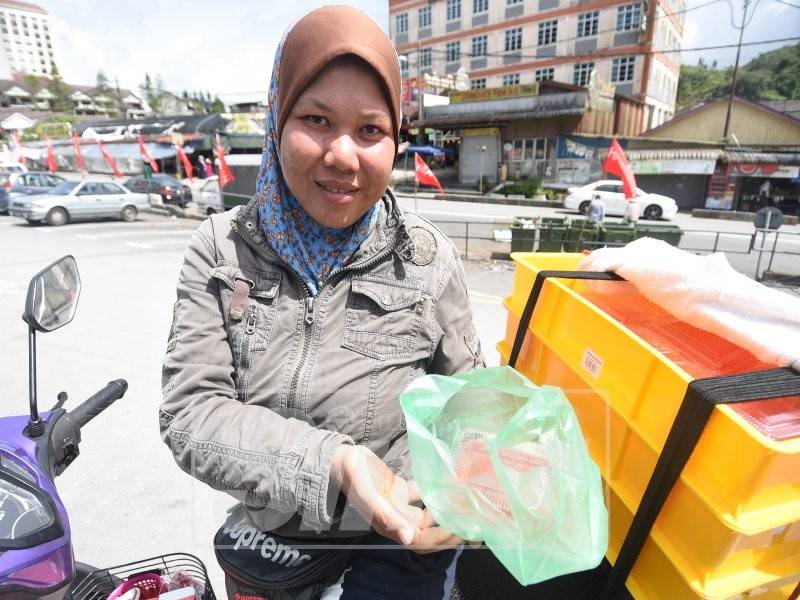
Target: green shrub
{"points": [[526, 187]]}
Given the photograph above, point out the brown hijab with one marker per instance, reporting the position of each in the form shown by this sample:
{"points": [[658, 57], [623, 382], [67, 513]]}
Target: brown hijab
{"points": [[326, 34]]}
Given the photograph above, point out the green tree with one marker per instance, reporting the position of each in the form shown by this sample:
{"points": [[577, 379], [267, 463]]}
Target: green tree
{"points": [[60, 102], [773, 75], [217, 106], [153, 92], [102, 81]]}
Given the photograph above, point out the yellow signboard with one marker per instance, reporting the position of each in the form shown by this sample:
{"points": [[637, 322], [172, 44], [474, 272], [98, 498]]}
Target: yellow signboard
{"points": [[481, 131], [507, 91]]}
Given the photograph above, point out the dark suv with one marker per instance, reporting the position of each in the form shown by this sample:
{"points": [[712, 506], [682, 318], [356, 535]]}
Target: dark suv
{"points": [[30, 183], [171, 190]]}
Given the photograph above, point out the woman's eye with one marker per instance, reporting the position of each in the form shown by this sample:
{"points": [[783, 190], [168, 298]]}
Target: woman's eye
{"points": [[372, 130], [317, 120]]}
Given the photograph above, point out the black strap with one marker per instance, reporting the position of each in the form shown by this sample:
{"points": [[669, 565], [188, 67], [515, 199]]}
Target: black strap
{"points": [[702, 395], [525, 320]]}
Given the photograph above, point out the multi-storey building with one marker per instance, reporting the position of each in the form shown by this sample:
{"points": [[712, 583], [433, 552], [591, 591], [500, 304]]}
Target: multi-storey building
{"points": [[26, 35], [633, 44]]}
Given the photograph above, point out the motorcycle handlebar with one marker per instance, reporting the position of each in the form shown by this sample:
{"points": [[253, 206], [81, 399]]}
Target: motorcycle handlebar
{"points": [[97, 403]]}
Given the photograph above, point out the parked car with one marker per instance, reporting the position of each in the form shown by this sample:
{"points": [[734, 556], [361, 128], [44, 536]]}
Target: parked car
{"points": [[13, 167], [653, 206], [79, 200], [171, 190], [207, 196]]}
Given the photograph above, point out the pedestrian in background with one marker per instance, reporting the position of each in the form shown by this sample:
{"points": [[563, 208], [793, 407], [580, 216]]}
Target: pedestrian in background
{"points": [[201, 167], [597, 210], [208, 168]]}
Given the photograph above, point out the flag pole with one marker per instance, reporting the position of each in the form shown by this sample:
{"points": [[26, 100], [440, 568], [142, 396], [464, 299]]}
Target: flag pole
{"points": [[416, 186]]}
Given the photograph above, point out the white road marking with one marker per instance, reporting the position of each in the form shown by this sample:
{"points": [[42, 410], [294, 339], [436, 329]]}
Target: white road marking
{"points": [[482, 298], [129, 233], [152, 245]]}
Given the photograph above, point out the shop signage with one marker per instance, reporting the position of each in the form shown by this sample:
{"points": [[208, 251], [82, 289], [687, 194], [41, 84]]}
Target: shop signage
{"points": [[509, 91], [772, 170], [482, 131], [677, 166]]}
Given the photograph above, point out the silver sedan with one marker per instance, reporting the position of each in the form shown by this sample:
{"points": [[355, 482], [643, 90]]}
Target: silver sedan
{"points": [[80, 200]]}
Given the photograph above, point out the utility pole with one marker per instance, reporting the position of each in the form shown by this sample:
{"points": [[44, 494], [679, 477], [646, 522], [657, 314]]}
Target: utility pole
{"points": [[420, 99], [735, 72]]}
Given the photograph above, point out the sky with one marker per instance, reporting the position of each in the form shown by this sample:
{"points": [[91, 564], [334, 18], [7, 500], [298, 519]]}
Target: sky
{"points": [[228, 48]]}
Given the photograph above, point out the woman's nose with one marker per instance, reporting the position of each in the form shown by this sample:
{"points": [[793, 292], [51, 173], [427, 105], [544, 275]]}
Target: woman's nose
{"points": [[342, 154]]}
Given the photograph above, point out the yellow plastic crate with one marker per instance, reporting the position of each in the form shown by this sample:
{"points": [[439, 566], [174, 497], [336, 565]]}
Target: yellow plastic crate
{"points": [[743, 505], [655, 577]]}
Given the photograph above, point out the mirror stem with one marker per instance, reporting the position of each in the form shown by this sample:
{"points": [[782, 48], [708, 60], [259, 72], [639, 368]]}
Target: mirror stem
{"points": [[35, 426]]}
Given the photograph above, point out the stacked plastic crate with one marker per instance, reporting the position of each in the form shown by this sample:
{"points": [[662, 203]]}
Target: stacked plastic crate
{"points": [[731, 525]]}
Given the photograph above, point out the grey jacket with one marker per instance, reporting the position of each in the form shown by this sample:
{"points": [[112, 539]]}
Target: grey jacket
{"points": [[262, 383]]}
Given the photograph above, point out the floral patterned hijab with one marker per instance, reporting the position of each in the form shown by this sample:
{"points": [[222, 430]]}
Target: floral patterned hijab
{"points": [[312, 250]]}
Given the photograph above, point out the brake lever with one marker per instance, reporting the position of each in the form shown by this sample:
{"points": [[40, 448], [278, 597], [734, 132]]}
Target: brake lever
{"points": [[62, 399]]}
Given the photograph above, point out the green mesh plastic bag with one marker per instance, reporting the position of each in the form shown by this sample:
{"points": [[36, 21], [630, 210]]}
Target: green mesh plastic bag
{"points": [[499, 459]]}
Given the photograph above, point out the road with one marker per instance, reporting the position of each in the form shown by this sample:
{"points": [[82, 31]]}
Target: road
{"points": [[127, 498], [700, 234]]}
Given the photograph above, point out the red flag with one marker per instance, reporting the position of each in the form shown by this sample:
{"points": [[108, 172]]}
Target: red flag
{"points": [[109, 159], [52, 163], [185, 160], [146, 154], [225, 175], [16, 154], [78, 155], [424, 175], [617, 163]]}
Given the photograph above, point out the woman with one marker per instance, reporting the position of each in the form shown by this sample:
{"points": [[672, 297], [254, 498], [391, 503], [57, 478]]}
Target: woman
{"points": [[300, 318]]}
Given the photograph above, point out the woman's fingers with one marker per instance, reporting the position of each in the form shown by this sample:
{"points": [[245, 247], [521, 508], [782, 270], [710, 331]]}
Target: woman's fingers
{"points": [[413, 491]]}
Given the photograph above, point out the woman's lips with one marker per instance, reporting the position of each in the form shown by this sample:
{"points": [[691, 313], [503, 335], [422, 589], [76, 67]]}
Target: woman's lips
{"points": [[337, 194]]}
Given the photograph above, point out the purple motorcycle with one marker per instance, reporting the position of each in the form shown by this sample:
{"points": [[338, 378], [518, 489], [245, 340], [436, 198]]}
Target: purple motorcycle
{"points": [[36, 560]]}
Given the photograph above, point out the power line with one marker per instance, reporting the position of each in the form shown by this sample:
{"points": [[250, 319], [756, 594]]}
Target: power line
{"points": [[651, 51]]}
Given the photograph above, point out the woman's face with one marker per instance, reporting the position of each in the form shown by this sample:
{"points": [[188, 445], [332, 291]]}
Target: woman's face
{"points": [[336, 147]]}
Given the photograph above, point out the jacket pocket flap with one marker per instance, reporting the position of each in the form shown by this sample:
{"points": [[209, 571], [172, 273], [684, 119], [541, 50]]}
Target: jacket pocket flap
{"points": [[388, 296], [262, 285]]}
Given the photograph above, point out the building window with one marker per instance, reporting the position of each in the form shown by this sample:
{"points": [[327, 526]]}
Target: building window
{"points": [[424, 17], [453, 10], [425, 58], [401, 23], [513, 2], [403, 64], [622, 68], [453, 52], [514, 39], [587, 24], [480, 6], [548, 31], [480, 45], [544, 74], [511, 79], [628, 17], [478, 84], [531, 149], [581, 72]]}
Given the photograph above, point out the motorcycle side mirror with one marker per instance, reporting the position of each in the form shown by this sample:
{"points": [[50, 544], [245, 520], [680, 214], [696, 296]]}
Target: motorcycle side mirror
{"points": [[51, 302], [53, 296]]}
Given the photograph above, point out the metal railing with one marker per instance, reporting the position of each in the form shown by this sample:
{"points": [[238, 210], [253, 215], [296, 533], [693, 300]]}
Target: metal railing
{"points": [[763, 247]]}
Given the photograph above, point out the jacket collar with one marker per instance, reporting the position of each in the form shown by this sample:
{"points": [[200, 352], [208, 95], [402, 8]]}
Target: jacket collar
{"points": [[390, 229]]}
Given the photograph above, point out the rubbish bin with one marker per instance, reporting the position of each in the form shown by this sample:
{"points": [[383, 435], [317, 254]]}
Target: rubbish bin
{"points": [[671, 234], [522, 238], [552, 220], [617, 235], [551, 236], [579, 232]]}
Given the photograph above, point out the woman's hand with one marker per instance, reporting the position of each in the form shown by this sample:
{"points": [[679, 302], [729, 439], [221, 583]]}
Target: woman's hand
{"points": [[384, 499]]}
